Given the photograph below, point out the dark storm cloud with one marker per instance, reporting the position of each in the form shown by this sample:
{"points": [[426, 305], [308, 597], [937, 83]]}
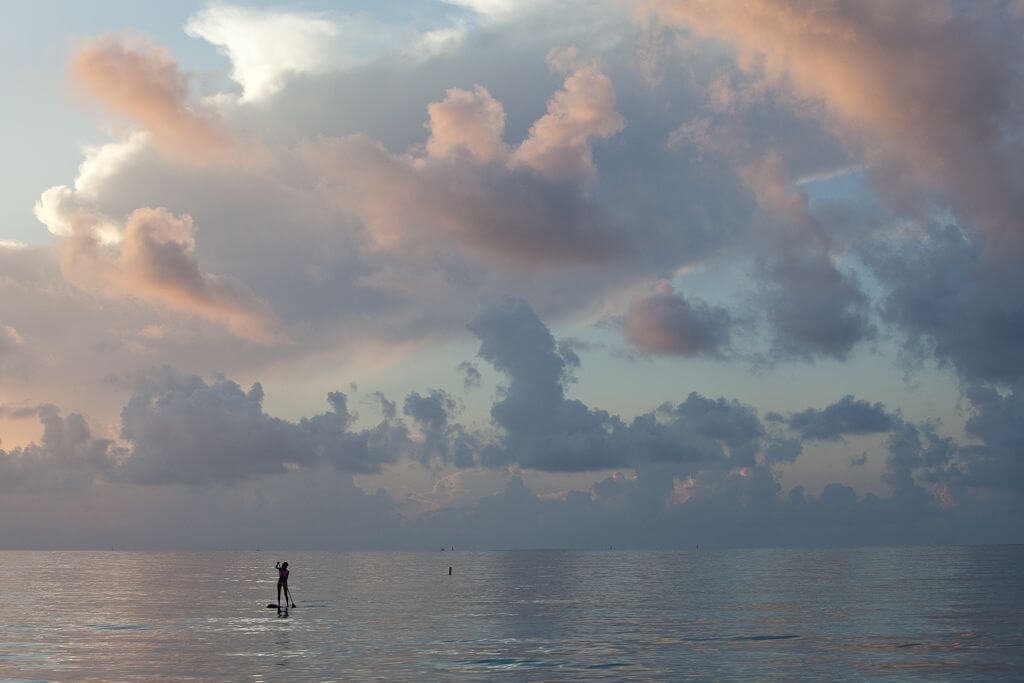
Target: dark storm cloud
{"points": [[846, 416]]}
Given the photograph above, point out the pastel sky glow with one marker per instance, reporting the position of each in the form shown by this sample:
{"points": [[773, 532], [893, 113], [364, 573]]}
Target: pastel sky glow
{"points": [[512, 274]]}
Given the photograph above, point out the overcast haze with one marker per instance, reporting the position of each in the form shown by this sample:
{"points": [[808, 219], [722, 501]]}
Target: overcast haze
{"points": [[500, 274]]}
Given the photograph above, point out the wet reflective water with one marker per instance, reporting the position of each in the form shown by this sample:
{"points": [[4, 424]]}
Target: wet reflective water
{"points": [[899, 613]]}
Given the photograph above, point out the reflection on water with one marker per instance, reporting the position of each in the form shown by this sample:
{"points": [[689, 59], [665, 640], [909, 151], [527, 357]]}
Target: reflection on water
{"points": [[903, 613]]}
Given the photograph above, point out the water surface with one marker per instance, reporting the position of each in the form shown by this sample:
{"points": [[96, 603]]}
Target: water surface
{"points": [[781, 614]]}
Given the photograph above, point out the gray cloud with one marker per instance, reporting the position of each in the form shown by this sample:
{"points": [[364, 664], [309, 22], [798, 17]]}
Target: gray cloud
{"points": [[815, 308], [474, 216], [846, 416], [67, 457], [541, 428], [667, 323], [183, 430], [998, 420], [443, 441], [953, 304], [470, 374], [179, 429]]}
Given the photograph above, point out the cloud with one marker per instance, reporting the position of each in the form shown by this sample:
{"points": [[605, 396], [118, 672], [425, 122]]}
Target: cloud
{"points": [[846, 416], [470, 374], [526, 204], [558, 145], [472, 121], [269, 47], [667, 323], [155, 261], [814, 307], [540, 428], [520, 207], [925, 92], [441, 441], [10, 340], [179, 429], [68, 456], [494, 10], [143, 84], [998, 421], [265, 46], [954, 305]]}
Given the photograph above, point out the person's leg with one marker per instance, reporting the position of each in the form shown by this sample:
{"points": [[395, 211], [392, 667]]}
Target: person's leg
{"points": [[279, 592]]}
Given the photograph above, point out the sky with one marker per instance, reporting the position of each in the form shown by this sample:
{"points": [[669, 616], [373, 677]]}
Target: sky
{"points": [[497, 274]]}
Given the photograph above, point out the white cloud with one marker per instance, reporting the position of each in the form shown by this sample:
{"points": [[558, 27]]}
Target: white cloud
{"points": [[495, 10], [102, 162], [266, 46]]}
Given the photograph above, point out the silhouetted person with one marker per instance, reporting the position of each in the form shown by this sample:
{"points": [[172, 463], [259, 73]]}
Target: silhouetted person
{"points": [[282, 582]]}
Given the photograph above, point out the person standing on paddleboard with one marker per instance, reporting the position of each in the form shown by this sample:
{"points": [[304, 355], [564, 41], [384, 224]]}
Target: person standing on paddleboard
{"points": [[282, 582]]}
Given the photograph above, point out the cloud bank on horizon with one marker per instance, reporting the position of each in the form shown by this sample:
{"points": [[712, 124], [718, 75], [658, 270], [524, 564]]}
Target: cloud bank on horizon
{"points": [[780, 187]]}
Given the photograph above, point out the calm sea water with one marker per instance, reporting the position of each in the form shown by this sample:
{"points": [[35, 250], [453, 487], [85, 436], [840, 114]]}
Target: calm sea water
{"points": [[861, 613]]}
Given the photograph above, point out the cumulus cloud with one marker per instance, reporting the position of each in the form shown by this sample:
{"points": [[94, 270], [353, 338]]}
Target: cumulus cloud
{"points": [[143, 84], [68, 456], [380, 231], [665, 322], [998, 421], [178, 429], [558, 145], [268, 47], [848, 415], [155, 261], [265, 46], [528, 204], [541, 428], [187, 431], [954, 305], [472, 121], [815, 307], [441, 441], [926, 92]]}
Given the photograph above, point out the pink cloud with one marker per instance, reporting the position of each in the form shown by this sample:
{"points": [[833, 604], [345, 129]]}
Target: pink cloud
{"points": [[528, 205], [559, 142], [471, 121], [664, 322], [924, 91], [143, 84], [155, 262]]}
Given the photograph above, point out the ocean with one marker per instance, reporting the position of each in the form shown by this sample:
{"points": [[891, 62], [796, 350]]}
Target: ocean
{"points": [[899, 613]]}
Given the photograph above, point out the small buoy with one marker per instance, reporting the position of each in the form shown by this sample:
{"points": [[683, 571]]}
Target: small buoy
{"points": [[449, 571]]}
